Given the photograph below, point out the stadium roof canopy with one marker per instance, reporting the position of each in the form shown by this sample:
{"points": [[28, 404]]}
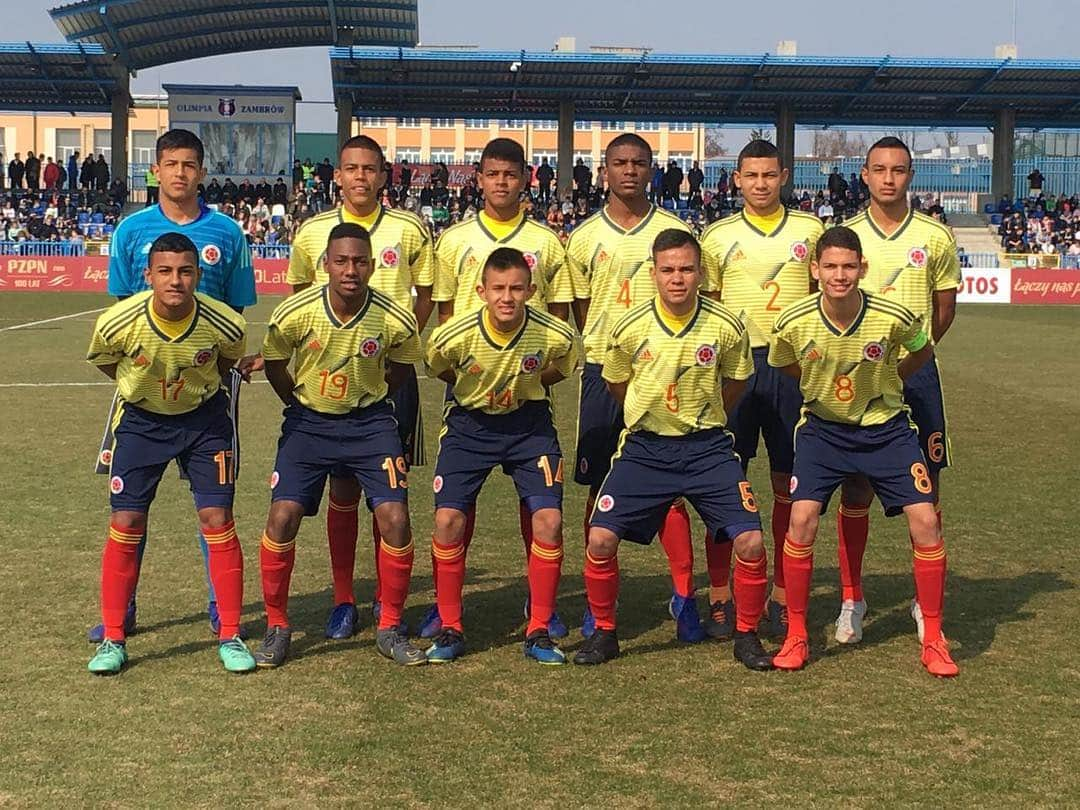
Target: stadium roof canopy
{"points": [[146, 33], [644, 86], [44, 77]]}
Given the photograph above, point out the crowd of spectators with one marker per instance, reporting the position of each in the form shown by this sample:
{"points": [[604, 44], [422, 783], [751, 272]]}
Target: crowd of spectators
{"points": [[1040, 224]]}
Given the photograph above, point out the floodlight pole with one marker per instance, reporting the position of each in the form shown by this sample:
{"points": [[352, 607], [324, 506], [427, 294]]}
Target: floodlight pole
{"points": [[565, 173]]}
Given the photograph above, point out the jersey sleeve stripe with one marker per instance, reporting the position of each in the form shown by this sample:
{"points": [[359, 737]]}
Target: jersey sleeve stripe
{"points": [[117, 325], [393, 306], [223, 325], [710, 306], [552, 323], [905, 316], [630, 317], [295, 302], [797, 311], [454, 331]]}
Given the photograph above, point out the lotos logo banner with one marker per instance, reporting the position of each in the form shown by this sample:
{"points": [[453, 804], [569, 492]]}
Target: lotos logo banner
{"points": [[984, 286]]}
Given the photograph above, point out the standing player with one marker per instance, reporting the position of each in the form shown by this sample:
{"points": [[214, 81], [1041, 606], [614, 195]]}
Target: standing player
{"points": [[168, 348], [225, 274], [500, 361], [911, 260], [759, 260], [676, 363], [403, 263], [460, 256], [844, 346], [348, 340], [610, 255]]}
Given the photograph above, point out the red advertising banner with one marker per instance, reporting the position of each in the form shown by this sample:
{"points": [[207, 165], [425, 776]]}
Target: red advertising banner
{"points": [[91, 273], [1045, 286], [421, 174]]}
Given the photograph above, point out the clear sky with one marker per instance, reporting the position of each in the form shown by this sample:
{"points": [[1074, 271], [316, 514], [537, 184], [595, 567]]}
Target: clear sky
{"points": [[949, 28]]}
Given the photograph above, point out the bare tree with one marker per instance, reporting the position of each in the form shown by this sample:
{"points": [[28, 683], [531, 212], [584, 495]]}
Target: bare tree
{"points": [[830, 143], [762, 134], [714, 142]]}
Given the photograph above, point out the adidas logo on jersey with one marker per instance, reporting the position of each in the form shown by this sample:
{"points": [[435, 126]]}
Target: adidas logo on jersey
{"points": [[314, 345], [644, 356]]}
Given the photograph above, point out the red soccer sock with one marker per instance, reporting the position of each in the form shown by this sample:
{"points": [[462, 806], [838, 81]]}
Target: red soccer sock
{"points": [[929, 566], [781, 517], [751, 585], [675, 538], [119, 575], [226, 564], [470, 527], [545, 568], [525, 519], [395, 571], [852, 529], [276, 562], [718, 559], [376, 549], [798, 571], [602, 588], [341, 531], [449, 580]]}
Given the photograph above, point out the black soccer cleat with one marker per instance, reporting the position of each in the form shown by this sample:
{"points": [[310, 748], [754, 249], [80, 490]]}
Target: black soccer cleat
{"points": [[750, 653], [600, 647], [274, 648]]}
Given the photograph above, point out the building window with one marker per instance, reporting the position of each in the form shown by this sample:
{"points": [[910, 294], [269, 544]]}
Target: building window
{"points": [[143, 146], [585, 157], [681, 126], [476, 123], [442, 123], [68, 142], [511, 124], [549, 125], [442, 155], [411, 155], [408, 122], [552, 159], [473, 155], [647, 126], [618, 126], [583, 126], [103, 143], [684, 159], [373, 122]]}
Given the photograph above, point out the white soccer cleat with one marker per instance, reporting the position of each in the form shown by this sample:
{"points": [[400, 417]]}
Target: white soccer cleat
{"points": [[916, 614], [849, 622]]}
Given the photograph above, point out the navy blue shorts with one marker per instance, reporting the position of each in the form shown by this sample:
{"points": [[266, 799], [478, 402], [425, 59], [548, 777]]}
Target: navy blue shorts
{"points": [[888, 455], [523, 443], [649, 472], [406, 400], [770, 407], [362, 444], [600, 423], [144, 443], [922, 393]]}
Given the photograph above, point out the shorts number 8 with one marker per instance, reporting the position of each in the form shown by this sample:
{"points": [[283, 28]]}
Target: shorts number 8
{"points": [[921, 478]]}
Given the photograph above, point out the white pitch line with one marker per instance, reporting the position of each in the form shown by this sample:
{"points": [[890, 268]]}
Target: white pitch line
{"points": [[51, 320]]}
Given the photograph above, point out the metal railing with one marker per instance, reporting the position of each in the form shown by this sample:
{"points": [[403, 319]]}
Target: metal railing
{"points": [[28, 247]]}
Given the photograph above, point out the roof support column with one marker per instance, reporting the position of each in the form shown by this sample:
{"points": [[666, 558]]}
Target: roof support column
{"points": [[118, 135], [785, 142], [344, 104], [565, 158], [1002, 181]]}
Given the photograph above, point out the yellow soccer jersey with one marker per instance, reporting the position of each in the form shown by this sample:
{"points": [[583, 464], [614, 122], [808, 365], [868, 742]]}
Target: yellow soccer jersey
{"points": [[166, 375], [400, 250], [462, 250], [675, 377], [341, 366], [908, 267], [611, 267], [498, 373], [848, 376], [758, 273]]}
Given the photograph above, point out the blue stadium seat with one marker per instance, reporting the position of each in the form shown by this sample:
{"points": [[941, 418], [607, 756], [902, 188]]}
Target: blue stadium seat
{"points": [[989, 208], [995, 219], [108, 229], [97, 217]]}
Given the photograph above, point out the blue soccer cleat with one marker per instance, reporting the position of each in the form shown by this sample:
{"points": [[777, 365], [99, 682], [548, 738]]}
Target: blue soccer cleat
{"points": [[343, 621], [449, 645], [588, 623], [431, 624], [683, 610], [539, 647], [96, 634], [556, 626]]}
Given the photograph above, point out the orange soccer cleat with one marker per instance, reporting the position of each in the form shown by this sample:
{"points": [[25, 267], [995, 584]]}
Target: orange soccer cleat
{"points": [[793, 655], [936, 659]]}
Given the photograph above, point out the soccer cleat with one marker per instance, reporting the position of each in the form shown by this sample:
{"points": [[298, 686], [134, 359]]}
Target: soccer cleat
{"points": [[235, 655], [683, 610], [777, 619], [539, 647], [588, 623], [750, 653], [431, 624], [916, 615], [449, 644], [556, 626], [96, 634], [274, 648], [793, 655], [849, 622], [343, 621], [109, 658], [936, 659], [720, 623], [393, 644], [601, 646]]}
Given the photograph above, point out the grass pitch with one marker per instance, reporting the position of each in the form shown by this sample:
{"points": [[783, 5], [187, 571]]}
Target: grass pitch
{"points": [[663, 725]]}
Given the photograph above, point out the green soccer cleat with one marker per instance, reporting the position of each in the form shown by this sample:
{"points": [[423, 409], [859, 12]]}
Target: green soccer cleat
{"points": [[109, 658], [235, 655]]}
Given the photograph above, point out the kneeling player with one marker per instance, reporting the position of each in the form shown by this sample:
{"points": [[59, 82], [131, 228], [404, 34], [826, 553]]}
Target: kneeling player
{"points": [[167, 348], [348, 340], [677, 364], [500, 360], [844, 345]]}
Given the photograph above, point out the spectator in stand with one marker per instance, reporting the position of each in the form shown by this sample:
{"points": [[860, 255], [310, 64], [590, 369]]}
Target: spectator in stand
{"points": [[722, 182], [440, 174], [601, 179], [86, 173], [582, 177], [656, 187], [101, 173], [836, 185], [153, 185], [264, 190], [118, 193], [297, 176], [324, 172], [230, 192], [405, 176], [279, 195], [73, 171], [1035, 183], [33, 172], [308, 168], [825, 211], [696, 178], [51, 174], [672, 183], [214, 195], [544, 178]]}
